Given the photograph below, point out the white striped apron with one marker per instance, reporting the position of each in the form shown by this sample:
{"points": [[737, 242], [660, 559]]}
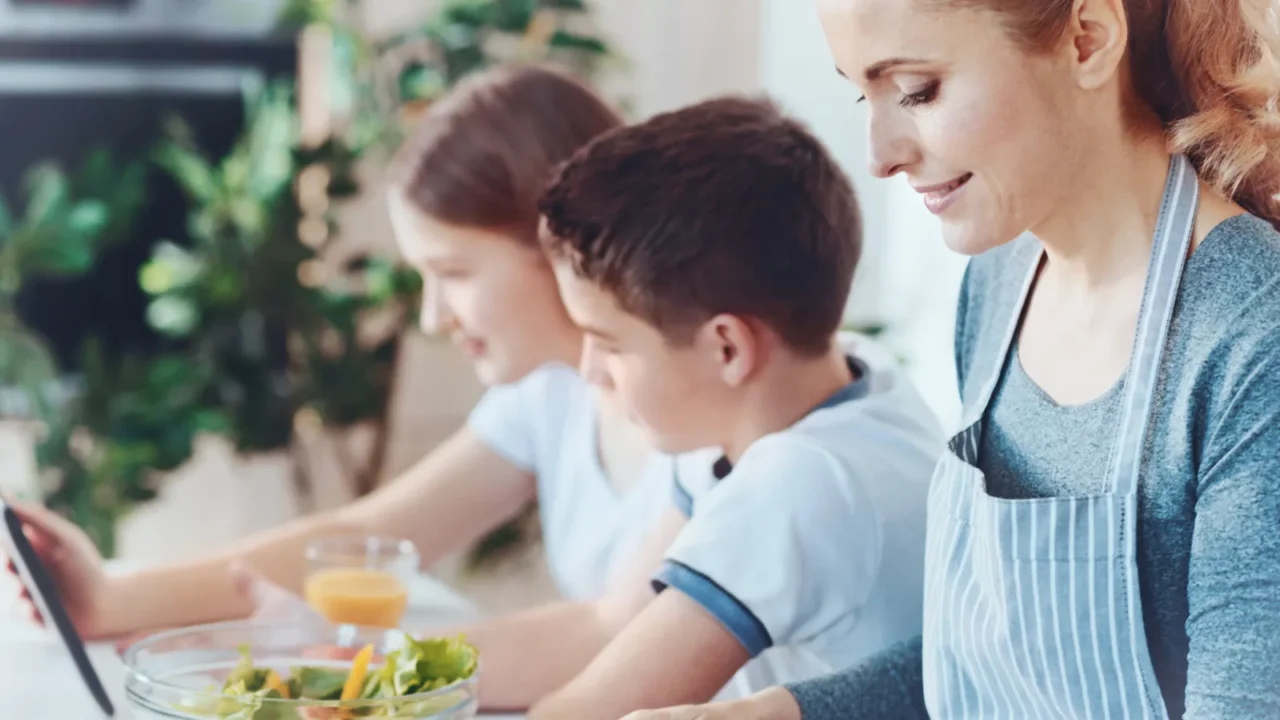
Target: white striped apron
{"points": [[1031, 606]]}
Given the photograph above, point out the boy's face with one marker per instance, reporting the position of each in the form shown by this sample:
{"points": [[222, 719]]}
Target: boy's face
{"points": [[674, 393]]}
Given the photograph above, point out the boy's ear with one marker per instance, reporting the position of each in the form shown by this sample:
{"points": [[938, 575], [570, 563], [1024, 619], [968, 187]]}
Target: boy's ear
{"points": [[736, 348]]}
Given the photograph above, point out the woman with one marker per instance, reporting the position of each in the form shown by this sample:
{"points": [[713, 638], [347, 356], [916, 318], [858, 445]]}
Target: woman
{"points": [[1103, 534], [463, 204]]}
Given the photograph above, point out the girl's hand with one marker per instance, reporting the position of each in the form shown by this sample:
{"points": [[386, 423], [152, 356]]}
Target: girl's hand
{"points": [[74, 564], [269, 601]]}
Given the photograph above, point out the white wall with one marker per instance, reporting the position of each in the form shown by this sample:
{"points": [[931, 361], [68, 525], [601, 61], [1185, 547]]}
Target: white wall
{"points": [[907, 279]]}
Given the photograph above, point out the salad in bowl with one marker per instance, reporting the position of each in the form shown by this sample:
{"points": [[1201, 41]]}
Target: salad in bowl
{"points": [[308, 671]]}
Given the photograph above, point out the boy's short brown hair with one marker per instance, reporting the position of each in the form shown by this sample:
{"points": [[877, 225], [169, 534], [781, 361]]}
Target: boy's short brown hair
{"points": [[726, 206]]}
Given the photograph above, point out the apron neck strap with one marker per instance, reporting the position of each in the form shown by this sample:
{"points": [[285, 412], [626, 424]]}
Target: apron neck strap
{"points": [[1028, 252], [1174, 229]]}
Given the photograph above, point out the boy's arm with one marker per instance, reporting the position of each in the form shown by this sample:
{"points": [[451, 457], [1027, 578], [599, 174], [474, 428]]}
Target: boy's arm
{"points": [[531, 653], [673, 653]]}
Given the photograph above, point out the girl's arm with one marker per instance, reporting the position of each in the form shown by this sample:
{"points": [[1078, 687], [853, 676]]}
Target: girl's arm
{"points": [[443, 503]]}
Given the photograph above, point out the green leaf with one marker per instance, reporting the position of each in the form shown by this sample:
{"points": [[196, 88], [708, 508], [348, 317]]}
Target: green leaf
{"points": [[422, 82], [27, 364], [574, 5], [171, 268], [211, 421], [513, 16], [190, 169], [6, 221], [96, 170], [473, 13], [306, 12], [88, 218], [321, 683], [172, 315], [46, 192], [63, 254], [564, 40]]}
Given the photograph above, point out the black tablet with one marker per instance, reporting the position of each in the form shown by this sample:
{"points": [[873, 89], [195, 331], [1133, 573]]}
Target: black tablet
{"points": [[42, 590]]}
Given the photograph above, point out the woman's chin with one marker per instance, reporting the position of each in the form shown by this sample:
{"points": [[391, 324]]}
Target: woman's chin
{"points": [[970, 238]]}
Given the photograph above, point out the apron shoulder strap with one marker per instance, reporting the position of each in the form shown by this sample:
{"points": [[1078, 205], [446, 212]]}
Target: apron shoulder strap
{"points": [[989, 365]]}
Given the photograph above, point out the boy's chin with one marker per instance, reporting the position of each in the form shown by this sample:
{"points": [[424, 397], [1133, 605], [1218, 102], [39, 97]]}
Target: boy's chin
{"points": [[669, 443]]}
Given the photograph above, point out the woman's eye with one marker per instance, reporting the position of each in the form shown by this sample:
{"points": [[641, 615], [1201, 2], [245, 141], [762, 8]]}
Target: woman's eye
{"points": [[923, 96]]}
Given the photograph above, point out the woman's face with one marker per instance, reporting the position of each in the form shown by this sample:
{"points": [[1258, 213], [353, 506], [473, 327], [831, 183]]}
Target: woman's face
{"points": [[981, 128], [496, 297]]}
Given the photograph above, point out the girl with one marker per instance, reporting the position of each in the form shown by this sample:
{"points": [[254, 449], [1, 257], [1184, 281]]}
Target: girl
{"points": [[463, 205], [1102, 536]]}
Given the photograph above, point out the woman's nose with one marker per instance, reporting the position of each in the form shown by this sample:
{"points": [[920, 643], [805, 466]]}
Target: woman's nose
{"points": [[890, 150]]}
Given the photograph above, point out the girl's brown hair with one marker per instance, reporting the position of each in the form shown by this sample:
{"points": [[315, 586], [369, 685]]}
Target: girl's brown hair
{"points": [[1210, 69], [481, 155]]}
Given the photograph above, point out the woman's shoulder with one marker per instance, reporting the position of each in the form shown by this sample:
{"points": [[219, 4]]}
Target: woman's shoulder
{"points": [[1226, 329], [1230, 293], [1238, 260]]}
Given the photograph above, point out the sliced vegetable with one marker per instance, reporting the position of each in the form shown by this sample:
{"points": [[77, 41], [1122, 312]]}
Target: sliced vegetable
{"points": [[359, 668], [274, 683]]}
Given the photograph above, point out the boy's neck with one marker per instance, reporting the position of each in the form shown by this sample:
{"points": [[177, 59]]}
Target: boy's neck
{"points": [[785, 392]]}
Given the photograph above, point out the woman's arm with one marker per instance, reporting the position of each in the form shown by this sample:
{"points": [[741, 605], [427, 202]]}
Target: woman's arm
{"points": [[444, 502], [1233, 588], [888, 686]]}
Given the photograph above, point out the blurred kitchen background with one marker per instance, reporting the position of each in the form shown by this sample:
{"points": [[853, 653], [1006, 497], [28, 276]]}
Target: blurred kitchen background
{"points": [[204, 327]]}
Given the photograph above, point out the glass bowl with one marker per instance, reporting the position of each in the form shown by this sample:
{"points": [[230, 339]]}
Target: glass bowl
{"points": [[177, 674]]}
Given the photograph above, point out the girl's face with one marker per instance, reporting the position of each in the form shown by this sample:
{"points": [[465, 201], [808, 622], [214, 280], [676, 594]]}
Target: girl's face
{"points": [[984, 130], [495, 296]]}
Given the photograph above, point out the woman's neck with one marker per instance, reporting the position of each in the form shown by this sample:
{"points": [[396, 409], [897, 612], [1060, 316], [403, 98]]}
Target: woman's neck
{"points": [[1101, 231]]}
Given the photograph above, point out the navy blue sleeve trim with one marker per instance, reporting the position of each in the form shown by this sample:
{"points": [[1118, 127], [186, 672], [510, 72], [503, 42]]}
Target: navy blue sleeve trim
{"points": [[736, 617], [683, 499]]}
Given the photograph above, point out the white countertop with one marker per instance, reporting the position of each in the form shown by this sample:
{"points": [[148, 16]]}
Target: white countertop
{"points": [[39, 681]]}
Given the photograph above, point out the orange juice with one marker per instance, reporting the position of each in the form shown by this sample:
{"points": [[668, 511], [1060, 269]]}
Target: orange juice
{"points": [[357, 596]]}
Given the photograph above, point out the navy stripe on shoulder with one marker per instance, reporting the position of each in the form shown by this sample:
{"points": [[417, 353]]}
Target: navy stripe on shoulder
{"points": [[736, 617], [683, 499]]}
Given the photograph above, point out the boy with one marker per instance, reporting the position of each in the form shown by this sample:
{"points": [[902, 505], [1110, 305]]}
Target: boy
{"points": [[707, 254]]}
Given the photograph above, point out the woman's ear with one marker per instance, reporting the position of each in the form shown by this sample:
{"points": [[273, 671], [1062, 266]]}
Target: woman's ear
{"points": [[1096, 39]]}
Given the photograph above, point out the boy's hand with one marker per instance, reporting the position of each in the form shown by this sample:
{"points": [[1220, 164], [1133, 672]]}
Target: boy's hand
{"points": [[771, 704]]}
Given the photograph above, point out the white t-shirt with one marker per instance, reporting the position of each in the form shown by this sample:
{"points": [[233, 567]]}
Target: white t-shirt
{"points": [[811, 550], [545, 423]]}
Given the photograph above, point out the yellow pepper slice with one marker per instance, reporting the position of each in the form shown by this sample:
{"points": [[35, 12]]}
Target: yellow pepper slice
{"points": [[359, 669], [274, 683]]}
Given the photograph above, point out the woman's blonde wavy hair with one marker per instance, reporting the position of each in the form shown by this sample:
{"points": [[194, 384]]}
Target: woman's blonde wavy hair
{"points": [[1210, 69]]}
